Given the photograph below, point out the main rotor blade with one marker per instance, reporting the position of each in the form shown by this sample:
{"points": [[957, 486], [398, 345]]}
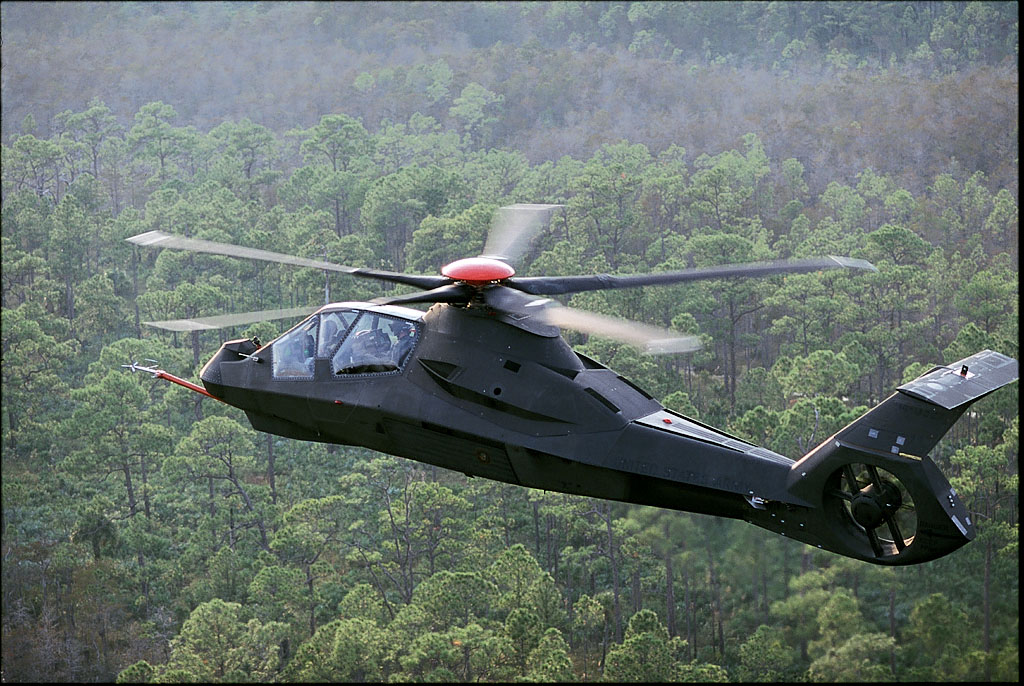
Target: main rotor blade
{"points": [[651, 339], [513, 228], [457, 294], [221, 321], [556, 285], [159, 239]]}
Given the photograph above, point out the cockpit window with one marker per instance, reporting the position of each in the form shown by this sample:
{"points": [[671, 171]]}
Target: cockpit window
{"points": [[375, 344], [333, 326], [293, 352]]}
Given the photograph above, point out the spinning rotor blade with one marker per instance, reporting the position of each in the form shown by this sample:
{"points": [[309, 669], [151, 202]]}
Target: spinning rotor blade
{"points": [[453, 294], [651, 339], [556, 285], [513, 228], [219, 322], [159, 239]]}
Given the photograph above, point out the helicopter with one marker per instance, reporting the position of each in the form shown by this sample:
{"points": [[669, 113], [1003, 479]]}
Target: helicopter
{"points": [[483, 383]]}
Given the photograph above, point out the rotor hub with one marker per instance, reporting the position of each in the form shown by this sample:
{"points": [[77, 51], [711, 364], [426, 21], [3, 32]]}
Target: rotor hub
{"points": [[871, 506], [478, 270]]}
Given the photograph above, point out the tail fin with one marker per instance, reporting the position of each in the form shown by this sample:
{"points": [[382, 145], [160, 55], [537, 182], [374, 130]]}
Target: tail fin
{"points": [[882, 498]]}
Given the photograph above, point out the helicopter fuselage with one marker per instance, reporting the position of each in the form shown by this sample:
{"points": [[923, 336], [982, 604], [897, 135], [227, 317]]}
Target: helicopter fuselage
{"points": [[512, 405], [510, 400], [483, 383]]}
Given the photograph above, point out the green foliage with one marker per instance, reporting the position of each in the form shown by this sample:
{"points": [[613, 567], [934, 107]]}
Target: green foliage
{"points": [[139, 673], [929, 651], [517, 578], [478, 110], [441, 240], [763, 657], [647, 653], [216, 644], [822, 372], [858, 659], [549, 661]]}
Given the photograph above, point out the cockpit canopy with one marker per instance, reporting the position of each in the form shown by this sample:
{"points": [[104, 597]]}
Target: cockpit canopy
{"points": [[356, 340]]}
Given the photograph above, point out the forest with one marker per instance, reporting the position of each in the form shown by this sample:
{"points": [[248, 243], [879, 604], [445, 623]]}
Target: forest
{"points": [[151, 535]]}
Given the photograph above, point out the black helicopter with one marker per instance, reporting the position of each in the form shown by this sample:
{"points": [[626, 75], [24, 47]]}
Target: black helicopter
{"points": [[483, 383]]}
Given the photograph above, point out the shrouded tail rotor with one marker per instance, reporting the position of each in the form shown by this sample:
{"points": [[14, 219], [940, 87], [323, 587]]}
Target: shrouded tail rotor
{"points": [[878, 504], [874, 493]]}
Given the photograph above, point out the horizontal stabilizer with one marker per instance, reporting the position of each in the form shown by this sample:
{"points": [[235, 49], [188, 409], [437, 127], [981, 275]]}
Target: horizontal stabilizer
{"points": [[951, 386]]}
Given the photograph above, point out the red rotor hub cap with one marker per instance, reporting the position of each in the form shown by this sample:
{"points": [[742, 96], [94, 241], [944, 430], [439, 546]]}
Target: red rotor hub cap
{"points": [[477, 270]]}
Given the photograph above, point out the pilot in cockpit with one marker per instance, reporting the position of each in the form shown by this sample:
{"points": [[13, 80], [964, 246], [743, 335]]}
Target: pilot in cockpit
{"points": [[405, 339], [371, 351]]}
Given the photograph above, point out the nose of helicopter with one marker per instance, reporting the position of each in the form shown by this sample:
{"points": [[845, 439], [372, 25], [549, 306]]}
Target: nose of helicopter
{"points": [[222, 375]]}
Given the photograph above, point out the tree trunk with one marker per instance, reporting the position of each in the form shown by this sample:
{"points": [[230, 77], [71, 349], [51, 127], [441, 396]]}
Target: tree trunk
{"points": [[69, 293], [731, 374], [270, 469], [130, 489], [986, 608], [312, 604], [212, 503], [144, 475], [764, 595], [135, 290], [195, 348], [550, 558], [892, 628], [536, 530], [670, 595], [717, 601], [615, 572], [691, 637], [637, 597]]}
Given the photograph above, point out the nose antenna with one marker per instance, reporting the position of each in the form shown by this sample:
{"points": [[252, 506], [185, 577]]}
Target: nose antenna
{"points": [[161, 374], [136, 367]]}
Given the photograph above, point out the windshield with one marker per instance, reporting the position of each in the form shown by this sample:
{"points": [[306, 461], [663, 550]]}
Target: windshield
{"points": [[294, 352], [377, 343], [333, 326]]}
